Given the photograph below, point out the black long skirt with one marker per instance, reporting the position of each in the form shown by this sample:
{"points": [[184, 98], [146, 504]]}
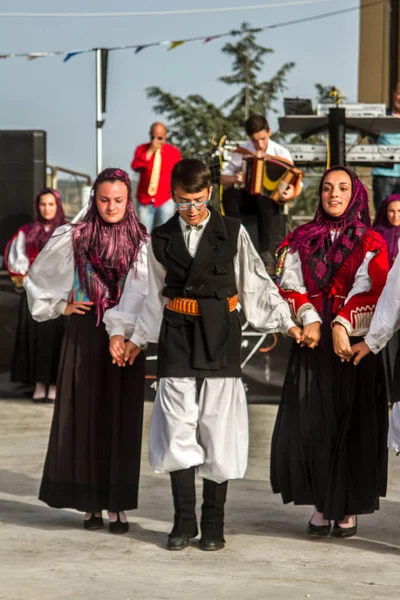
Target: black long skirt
{"points": [[93, 457], [37, 348], [329, 442]]}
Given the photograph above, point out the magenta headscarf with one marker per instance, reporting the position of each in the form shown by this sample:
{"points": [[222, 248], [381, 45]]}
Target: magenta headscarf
{"points": [[313, 240], [104, 252], [389, 232], [36, 234]]}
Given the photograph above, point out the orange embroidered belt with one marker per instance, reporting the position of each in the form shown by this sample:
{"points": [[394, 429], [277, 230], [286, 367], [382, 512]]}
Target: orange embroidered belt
{"points": [[189, 306]]}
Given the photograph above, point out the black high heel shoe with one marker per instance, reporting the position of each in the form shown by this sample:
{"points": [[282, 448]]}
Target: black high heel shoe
{"points": [[318, 530], [93, 523], [344, 532], [118, 526]]}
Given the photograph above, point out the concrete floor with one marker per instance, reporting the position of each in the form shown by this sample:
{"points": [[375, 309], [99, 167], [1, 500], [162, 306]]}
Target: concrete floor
{"points": [[46, 555]]}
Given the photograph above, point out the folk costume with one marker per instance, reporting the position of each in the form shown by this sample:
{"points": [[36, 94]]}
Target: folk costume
{"points": [[93, 457], [384, 325], [329, 440], [391, 351], [37, 345], [197, 276]]}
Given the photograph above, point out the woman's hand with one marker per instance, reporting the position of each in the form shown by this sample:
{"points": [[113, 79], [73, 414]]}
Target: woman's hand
{"points": [[295, 333], [311, 335], [131, 352], [360, 350], [117, 350], [77, 308], [341, 343]]}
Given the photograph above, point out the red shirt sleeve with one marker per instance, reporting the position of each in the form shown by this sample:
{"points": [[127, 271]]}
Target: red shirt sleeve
{"points": [[139, 158]]}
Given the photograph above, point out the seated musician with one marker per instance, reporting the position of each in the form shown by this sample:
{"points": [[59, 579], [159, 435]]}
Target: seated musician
{"points": [[237, 202]]}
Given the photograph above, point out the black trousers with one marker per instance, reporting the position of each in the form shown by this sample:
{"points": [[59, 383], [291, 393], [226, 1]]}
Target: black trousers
{"points": [[212, 510], [270, 223]]}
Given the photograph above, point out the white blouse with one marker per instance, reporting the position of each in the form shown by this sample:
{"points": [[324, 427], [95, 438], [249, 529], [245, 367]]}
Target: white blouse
{"points": [[259, 297], [17, 258], [386, 319], [51, 279]]}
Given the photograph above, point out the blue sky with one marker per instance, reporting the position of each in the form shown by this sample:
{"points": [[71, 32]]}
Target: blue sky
{"points": [[60, 98]]}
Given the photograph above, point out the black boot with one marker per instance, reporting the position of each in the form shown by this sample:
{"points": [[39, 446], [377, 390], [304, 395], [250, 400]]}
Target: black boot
{"points": [[184, 495], [212, 515]]}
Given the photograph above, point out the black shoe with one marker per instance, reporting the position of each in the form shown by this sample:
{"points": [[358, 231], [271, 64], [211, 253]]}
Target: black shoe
{"points": [[318, 530], [93, 523], [118, 526], [178, 542], [39, 400], [211, 545], [343, 532]]}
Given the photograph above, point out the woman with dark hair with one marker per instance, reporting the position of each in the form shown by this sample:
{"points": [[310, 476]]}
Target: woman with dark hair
{"points": [[93, 457], [329, 442], [37, 345], [387, 223]]}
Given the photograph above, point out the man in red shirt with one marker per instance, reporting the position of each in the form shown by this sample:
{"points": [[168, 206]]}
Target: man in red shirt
{"points": [[155, 161]]}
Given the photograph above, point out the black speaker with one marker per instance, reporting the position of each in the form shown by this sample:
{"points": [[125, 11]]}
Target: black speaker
{"points": [[22, 176]]}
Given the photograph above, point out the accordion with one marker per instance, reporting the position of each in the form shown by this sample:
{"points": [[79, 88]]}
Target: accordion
{"points": [[269, 175]]}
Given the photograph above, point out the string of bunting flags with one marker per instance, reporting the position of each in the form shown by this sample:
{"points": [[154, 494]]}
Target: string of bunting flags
{"points": [[176, 43]]}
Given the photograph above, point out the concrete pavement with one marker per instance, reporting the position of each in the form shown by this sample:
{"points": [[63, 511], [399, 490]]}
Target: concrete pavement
{"points": [[46, 555]]}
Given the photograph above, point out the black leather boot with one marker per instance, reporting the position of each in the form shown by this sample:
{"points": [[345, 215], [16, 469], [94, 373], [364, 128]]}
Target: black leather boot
{"points": [[184, 496], [212, 515]]}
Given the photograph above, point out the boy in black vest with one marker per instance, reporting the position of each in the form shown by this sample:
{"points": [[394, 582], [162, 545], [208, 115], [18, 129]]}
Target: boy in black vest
{"points": [[201, 266]]}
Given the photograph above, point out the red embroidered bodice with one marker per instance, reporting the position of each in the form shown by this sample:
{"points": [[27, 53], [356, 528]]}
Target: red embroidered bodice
{"points": [[357, 313]]}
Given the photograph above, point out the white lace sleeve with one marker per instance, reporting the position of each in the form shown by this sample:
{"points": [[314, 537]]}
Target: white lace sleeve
{"points": [[17, 259], [121, 319], [292, 279], [148, 324], [51, 277], [259, 297], [386, 319]]}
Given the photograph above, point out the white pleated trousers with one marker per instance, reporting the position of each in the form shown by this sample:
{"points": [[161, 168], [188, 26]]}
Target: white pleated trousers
{"points": [[207, 429]]}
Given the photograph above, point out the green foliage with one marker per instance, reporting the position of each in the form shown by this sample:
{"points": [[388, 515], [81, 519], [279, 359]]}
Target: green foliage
{"points": [[193, 122]]}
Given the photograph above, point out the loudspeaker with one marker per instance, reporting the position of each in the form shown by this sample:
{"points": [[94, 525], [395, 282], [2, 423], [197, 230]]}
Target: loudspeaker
{"points": [[22, 176]]}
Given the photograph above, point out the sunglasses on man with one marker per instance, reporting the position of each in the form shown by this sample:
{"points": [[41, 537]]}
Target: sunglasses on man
{"points": [[157, 137]]}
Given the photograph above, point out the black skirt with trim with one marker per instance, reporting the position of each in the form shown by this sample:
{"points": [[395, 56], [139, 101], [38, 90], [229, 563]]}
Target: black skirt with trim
{"points": [[329, 445], [37, 347], [93, 457]]}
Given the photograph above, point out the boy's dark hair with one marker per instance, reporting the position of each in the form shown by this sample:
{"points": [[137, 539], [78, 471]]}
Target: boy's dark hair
{"points": [[256, 123], [190, 174]]}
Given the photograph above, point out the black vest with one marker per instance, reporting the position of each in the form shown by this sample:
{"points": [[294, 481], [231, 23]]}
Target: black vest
{"points": [[199, 346]]}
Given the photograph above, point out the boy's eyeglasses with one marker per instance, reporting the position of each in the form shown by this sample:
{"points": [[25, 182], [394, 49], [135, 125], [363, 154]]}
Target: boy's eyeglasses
{"points": [[186, 205]]}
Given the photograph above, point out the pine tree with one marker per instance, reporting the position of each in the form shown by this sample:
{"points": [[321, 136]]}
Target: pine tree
{"points": [[193, 122]]}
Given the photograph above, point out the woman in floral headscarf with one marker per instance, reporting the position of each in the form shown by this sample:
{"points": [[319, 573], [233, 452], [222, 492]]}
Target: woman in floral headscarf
{"points": [[93, 457], [37, 345], [329, 441]]}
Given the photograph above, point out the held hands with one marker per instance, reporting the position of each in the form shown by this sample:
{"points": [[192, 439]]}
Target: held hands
{"points": [[341, 343], [296, 333], [77, 308], [309, 336], [122, 352], [360, 350], [117, 350]]}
